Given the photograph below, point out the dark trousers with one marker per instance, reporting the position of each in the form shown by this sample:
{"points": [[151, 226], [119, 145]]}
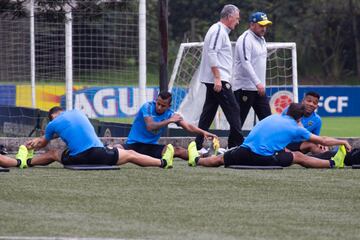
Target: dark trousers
{"points": [[226, 99], [248, 99]]}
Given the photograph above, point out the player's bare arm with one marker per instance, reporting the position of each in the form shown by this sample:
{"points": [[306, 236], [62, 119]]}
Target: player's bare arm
{"points": [[193, 129], [152, 125], [36, 143], [329, 141]]}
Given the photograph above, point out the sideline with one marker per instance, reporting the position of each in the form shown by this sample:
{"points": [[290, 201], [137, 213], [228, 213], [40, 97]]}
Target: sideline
{"points": [[54, 238]]}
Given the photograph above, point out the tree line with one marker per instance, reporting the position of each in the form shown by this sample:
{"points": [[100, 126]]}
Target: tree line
{"points": [[326, 31]]}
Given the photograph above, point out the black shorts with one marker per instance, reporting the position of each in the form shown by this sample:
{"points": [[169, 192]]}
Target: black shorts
{"points": [[152, 150], [92, 156], [295, 146], [244, 156]]}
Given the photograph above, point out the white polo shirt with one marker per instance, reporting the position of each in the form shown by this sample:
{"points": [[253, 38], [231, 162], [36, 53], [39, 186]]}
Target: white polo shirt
{"points": [[217, 52], [249, 61]]}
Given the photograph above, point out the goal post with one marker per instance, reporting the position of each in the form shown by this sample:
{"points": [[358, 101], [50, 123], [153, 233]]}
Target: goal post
{"points": [[281, 78], [92, 56], [292, 47]]}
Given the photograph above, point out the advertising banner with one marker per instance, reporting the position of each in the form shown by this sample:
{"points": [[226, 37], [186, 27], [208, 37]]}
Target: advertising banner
{"points": [[335, 101], [116, 101]]}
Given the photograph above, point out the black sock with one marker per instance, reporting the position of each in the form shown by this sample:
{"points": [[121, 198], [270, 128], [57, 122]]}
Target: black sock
{"points": [[332, 163], [163, 163], [28, 162], [197, 159]]}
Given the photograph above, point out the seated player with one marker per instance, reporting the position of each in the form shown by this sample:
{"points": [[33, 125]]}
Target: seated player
{"points": [[265, 144], [83, 145], [312, 122], [151, 122]]}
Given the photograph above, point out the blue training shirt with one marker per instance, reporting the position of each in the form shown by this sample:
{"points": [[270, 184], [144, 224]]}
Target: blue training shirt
{"points": [[139, 133], [312, 123], [75, 129], [273, 134]]}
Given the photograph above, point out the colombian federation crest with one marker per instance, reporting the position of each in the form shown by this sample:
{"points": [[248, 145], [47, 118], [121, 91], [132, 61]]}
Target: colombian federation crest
{"points": [[280, 100]]}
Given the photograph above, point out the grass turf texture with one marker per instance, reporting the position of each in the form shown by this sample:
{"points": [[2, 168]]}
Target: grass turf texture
{"points": [[181, 203], [332, 126], [341, 126]]}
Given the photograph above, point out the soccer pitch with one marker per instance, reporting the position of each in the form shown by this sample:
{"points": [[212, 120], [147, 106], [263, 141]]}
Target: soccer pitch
{"points": [[181, 203], [341, 126]]}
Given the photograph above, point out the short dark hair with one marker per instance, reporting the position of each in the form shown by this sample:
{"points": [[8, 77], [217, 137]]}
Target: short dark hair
{"points": [[54, 110], [165, 95], [313, 94], [296, 111]]}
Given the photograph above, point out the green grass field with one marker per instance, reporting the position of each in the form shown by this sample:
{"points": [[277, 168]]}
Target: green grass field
{"points": [[184, 202], [181, 203], [341, 126], [332, 126]]}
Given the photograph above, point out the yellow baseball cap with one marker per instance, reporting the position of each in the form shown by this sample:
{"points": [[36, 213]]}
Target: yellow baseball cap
{"points": [[260, 18]]}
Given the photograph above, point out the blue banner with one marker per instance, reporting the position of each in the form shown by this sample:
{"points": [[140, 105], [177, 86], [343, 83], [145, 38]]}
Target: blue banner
{"points": [[335, 101], [8, 95], [114, 101]]}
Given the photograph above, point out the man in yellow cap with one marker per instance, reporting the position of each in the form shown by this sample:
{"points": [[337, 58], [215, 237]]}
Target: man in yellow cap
{"points": [[249, 79]]}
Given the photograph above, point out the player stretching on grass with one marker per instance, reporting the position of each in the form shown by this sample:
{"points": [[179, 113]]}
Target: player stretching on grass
{"points": [[264, 146], [151, 122], [312, 122], [83, 145]]}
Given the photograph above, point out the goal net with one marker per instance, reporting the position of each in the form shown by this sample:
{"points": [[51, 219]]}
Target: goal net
{"points": [[281, 77], [102, 69]]}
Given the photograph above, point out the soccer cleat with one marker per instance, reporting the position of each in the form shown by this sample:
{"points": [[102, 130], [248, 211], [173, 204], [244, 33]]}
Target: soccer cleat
{"points": [[214, 147], [22, 156], [169, 156], [339, 157], [193, 154], [30, 154]]}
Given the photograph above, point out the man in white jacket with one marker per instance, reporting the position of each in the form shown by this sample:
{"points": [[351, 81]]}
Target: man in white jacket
{"points": [[249, 80], [215, 72]]}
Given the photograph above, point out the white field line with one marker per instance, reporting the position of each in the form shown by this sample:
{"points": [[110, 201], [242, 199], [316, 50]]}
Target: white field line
{"points": [[53, 238]]}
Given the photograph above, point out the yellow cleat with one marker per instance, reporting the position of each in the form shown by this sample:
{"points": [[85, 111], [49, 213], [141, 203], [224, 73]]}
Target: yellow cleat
{"points": [[22, 156], [339, 157], [169, 156], [216, 146], [30, 154], [193, 154]]}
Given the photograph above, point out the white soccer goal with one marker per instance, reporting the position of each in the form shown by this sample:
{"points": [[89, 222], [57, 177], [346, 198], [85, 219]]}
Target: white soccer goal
{"points": [[91, 57], [282, 82]]}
